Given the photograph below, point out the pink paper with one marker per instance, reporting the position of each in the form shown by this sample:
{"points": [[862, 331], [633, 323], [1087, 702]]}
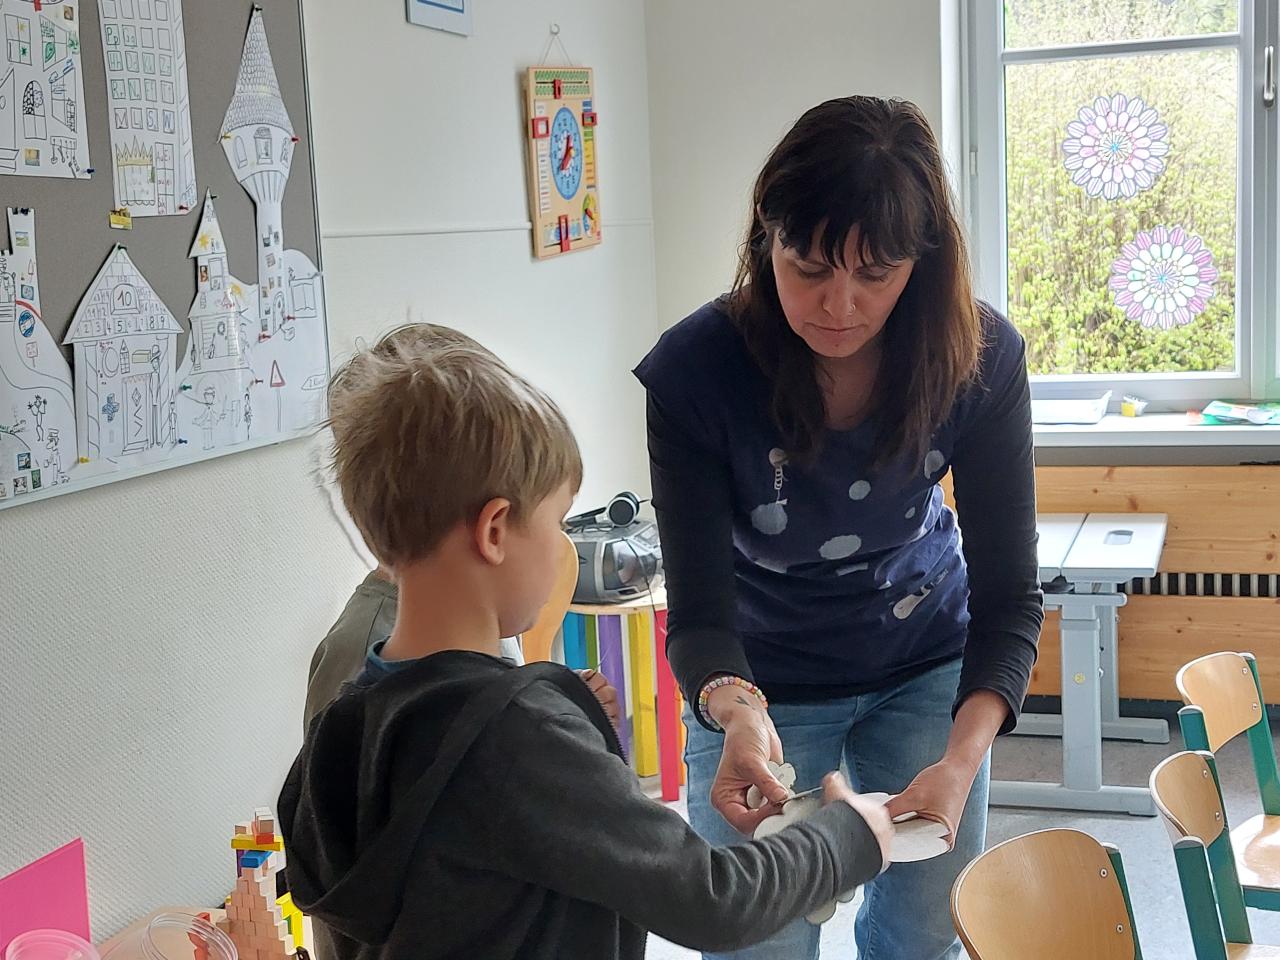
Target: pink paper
{"points": [[49, 893]]}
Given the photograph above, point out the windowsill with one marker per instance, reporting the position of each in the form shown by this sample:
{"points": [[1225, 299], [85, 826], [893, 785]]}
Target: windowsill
{"points": [[1154, 430]]}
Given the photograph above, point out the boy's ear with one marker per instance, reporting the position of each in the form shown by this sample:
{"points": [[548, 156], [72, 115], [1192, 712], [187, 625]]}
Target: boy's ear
{"points": [[491, 530]]}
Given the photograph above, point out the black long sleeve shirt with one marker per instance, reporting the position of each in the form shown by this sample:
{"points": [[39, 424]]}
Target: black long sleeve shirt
{"points": [[836, 580]]}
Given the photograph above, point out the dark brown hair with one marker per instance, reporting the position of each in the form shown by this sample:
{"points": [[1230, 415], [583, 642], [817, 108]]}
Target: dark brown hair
{"points": [[873, 165]]}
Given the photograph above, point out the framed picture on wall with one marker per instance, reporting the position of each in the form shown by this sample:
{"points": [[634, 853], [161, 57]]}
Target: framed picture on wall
{"points": [[453, 16]]}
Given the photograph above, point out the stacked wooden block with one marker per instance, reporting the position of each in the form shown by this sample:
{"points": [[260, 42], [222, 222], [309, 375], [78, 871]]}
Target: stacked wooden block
{"points": [[262, 925]]}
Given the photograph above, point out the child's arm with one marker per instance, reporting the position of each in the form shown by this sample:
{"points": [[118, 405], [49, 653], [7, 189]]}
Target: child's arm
{"points": [[603, 691], [570, 816]]}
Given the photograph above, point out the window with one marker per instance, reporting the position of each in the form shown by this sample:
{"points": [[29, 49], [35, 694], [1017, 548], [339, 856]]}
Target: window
{"points": [[1121, 162]]}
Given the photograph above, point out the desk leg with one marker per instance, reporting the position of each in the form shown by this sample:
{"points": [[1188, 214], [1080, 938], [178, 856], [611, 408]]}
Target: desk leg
{"points": [[1081, 705], [645, 757], [614, 666], [1081, 787], [668, 715], [1114, 726], [574, 631]]}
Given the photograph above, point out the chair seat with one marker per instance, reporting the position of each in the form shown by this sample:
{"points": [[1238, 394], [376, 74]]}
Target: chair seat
{"points": [[1257, 846], [1252, 951]]}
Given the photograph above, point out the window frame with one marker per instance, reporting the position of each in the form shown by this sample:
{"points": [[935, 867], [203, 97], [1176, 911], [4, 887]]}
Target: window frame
{"points": [[983, 61]]}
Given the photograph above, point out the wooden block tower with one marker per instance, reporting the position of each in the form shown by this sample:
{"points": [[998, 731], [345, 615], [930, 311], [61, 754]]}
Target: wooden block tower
{"points": [[262, 925]]}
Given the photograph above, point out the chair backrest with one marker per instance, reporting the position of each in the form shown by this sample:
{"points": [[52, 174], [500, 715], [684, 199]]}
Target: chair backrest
{"points": [[537, 641], [1052, 895], [1187, 794], [1224, 699], [1223, 686]]}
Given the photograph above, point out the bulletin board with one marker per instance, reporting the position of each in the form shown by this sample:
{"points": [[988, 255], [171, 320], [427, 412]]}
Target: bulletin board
{"points": [[200, 331]]}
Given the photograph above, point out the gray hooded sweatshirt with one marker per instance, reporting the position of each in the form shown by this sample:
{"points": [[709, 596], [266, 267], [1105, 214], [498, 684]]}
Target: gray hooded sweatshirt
{"points": [[466, 808]]}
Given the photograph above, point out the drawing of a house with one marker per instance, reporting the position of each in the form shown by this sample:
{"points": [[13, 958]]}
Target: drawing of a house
{"points": [[146, 63], [215, 378], [125, 343], [257, 138], [42, 132], [37, 407], [216, 340]]}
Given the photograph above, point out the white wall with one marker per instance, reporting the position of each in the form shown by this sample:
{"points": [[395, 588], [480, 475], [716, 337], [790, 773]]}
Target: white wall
{"points": [[448, 236], [154, 634], [727, 78]]}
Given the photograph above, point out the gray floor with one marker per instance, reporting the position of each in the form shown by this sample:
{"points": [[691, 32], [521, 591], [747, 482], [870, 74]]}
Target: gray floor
{"points": [[1153, 880]]}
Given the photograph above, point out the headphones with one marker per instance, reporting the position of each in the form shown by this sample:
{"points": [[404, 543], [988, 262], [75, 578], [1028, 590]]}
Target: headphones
{"points": [[622, 510]]}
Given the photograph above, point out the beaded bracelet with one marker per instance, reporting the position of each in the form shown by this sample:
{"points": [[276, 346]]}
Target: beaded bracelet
{"points": [[726, 681]]}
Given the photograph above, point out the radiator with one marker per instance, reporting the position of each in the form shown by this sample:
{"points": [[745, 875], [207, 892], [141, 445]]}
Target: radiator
{"points": [[1207, 585]]}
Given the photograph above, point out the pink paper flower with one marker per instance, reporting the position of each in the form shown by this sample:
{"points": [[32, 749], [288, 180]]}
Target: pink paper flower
{"points": [[1116, 148], [1164, 277]]}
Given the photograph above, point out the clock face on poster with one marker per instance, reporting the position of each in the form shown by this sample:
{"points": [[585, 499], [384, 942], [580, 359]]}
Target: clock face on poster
{"points": [[566, 153]]}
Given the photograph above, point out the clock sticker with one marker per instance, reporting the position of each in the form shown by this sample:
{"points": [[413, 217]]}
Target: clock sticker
{"points": [[566, 153]]}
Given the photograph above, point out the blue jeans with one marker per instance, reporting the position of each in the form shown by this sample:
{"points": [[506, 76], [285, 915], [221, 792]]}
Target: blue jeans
{"points": [[884, 739]]}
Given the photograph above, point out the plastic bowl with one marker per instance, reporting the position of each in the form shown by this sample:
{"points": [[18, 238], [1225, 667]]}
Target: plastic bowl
{"points": [[50, 945]]}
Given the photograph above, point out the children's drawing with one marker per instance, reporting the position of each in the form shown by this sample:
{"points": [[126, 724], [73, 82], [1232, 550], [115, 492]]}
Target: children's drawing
{"points": [[216, 376], [290, 357], [43, 132], [255, 364], [145, 52], [257, 138], [125, 342], [37, 409]]}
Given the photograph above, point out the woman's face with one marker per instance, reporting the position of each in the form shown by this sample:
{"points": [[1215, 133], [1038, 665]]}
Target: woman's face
{"points": [[836, 310]]}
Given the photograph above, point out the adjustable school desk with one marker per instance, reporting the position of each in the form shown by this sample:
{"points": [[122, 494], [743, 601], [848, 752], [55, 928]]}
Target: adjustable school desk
{"points": [[1084, 561]]}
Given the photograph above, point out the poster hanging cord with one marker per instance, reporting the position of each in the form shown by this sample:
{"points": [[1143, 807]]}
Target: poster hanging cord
{"points": [[554, 41]]}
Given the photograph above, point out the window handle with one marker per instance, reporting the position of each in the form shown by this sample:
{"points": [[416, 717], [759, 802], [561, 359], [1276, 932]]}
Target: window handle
{"points": [[1268, 76]]}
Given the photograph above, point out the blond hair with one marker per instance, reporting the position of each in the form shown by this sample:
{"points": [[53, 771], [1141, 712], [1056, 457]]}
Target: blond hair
{"points": [[429, 426]]}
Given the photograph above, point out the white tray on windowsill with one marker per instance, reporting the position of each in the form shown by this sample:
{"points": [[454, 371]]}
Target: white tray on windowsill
{"points": [[1154, 430]]}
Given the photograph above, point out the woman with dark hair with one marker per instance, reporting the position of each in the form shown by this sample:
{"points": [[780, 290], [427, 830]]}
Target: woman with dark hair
{"points": [[823, 609]]}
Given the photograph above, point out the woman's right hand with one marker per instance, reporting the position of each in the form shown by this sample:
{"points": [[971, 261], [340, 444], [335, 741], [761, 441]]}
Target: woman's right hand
{"points": [[750, 742]]}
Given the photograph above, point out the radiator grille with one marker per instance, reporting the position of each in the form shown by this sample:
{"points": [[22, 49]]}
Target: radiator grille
{"points": [[1207, 585]]}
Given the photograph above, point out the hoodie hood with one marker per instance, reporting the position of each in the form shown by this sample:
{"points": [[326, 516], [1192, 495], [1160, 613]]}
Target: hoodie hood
{"points": [[353, 812]]}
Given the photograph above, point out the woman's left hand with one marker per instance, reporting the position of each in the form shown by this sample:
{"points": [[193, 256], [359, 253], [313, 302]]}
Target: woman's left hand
{"points": [[939, 792]]}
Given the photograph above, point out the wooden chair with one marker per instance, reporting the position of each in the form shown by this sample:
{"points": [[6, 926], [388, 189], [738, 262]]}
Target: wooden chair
{"points": [[1224, 699], [538, 640], [1052, 895], [1189, 798]]}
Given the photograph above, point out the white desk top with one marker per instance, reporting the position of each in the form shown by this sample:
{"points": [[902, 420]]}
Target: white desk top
{"points": [[1115, 547], [1057, 533]]}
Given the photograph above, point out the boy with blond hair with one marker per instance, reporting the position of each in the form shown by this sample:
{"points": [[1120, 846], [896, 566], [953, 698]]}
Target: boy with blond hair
{"points": [[450, 804], [370, 612]]}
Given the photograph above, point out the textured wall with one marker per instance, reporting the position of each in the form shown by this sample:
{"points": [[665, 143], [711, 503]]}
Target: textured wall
{"points": [[154, 634]]}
